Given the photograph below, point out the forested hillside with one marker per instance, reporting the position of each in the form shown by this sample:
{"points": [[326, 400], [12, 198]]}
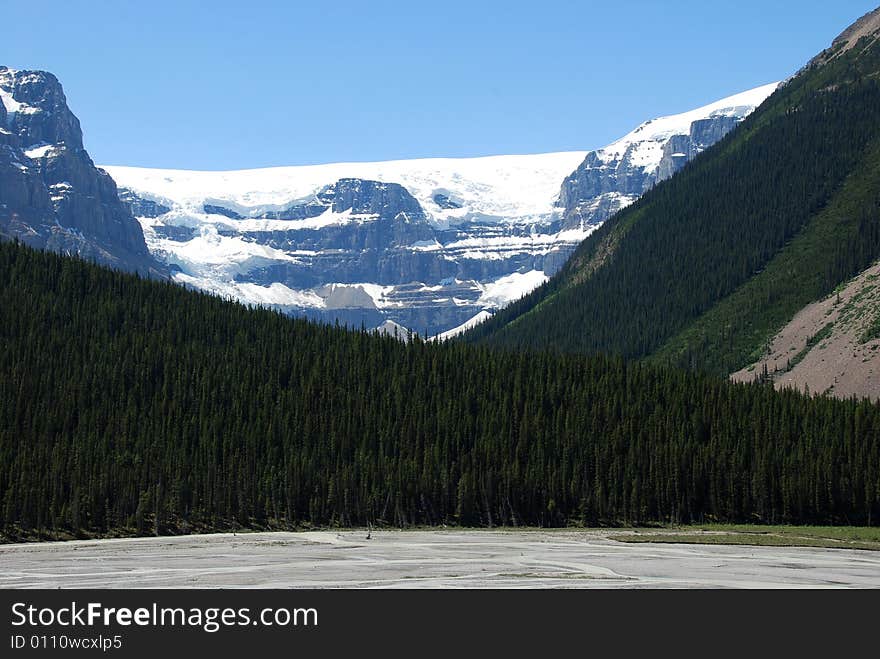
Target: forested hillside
{"points": [[130, 406], [708, 265]]}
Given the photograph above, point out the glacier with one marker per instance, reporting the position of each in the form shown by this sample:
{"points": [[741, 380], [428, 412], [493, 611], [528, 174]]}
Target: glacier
{"points": [[426, 244]]}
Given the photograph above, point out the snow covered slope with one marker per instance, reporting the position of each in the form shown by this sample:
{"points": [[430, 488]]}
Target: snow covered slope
{"points": [[613, 177], [645, 144], [521, 189], [464, 327]]}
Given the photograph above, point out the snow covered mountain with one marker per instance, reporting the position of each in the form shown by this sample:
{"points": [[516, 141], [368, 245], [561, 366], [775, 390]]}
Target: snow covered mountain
{"points": [[613, 177], [428, 244]]}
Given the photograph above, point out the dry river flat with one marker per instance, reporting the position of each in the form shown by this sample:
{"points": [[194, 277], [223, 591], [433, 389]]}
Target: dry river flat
{"points": [[426, 559]]}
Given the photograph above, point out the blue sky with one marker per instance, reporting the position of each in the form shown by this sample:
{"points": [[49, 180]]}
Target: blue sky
{"points": [[227, 85]]}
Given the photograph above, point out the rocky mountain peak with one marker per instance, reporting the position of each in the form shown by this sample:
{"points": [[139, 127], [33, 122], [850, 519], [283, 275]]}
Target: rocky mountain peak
{"points": [[36, 109], [365, 197], [868, 26], [51, 194], [611, 178]]}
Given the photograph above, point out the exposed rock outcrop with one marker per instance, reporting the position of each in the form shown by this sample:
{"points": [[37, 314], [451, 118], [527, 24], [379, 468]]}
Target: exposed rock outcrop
{"points": [[612, 178], [51, 194]]}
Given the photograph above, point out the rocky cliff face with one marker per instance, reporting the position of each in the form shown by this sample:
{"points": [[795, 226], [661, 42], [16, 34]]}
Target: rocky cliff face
{"points": [[612, 178], [51, 194]]}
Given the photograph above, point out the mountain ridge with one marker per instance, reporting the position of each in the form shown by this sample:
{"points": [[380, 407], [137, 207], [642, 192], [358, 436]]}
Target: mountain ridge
{"points": [[705, 268], [461, 231], [613, 177], [866, 26]]}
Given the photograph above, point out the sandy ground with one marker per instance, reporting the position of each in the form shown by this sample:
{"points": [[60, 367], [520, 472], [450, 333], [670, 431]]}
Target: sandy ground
{"points": [[839, 365], [426, 559]]}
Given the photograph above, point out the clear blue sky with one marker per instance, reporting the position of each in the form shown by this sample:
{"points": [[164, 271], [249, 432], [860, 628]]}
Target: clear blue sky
{"points": [[225, 85]]}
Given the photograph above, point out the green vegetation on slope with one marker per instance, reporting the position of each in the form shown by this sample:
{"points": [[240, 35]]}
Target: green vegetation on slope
{"points": [[840, 240], [857, 308], [832, 537], [798, 175], [128, 405]]}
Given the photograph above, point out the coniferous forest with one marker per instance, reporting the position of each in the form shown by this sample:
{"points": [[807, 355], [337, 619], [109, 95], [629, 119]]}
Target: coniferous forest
{"points": [[706, 267], [131, 405]]}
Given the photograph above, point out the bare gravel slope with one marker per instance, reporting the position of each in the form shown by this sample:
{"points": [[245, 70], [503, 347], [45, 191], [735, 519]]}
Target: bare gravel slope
{"points": [[827, 347]]}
